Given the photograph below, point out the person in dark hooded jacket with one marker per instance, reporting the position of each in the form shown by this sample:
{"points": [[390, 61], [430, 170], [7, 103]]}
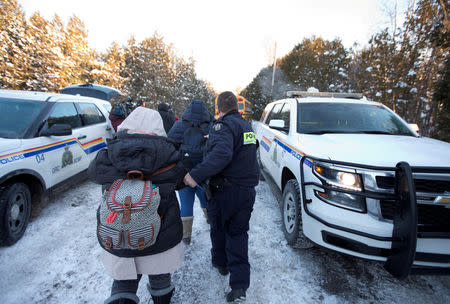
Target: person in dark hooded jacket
{"points": [[167, 116], [141, 144], [196, 119]]}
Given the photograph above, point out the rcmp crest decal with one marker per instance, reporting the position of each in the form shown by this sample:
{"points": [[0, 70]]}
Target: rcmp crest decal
{"points": [[67, 157]]}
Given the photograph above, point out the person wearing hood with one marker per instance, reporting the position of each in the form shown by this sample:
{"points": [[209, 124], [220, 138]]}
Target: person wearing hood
{"points": [[167, 117], [141, 144], [191, 132]]}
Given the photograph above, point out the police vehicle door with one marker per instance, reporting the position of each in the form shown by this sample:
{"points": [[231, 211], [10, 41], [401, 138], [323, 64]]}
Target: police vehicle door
{"points": [[62, 156], [269, 153], [282, 148], [95, 129]]}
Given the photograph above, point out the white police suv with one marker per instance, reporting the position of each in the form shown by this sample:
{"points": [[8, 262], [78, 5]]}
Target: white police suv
{"points": [[357, 179], [46, 140]]}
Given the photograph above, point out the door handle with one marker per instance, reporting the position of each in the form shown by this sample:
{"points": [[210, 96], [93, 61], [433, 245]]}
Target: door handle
{"points": [[81, 137], [108, 129]]}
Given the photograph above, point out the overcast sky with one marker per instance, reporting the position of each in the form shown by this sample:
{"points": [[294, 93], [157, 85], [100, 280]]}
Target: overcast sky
{"points": [[230, 40]]}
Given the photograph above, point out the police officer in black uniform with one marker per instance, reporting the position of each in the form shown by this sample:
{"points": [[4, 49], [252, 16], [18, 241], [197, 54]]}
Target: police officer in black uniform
{"points": [[232, 170]]}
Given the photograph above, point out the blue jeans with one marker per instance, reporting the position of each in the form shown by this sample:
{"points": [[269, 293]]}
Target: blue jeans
{"points": [[187, 197]]}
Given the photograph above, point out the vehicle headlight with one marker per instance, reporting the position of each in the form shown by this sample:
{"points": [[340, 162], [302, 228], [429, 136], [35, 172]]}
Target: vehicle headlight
{"points": [[340, 180]]}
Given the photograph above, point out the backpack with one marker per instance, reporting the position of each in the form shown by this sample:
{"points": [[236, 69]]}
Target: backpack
{"points": [[128, 215], [194, 142], [119, 111]]}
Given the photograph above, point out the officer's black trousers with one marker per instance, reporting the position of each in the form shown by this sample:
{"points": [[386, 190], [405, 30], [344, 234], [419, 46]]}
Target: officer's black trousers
{"points": [[229, 213]]}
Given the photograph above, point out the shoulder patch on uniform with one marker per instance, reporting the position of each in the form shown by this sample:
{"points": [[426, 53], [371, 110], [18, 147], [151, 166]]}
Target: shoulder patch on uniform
{"points": [[218, 126], [249, 138]]}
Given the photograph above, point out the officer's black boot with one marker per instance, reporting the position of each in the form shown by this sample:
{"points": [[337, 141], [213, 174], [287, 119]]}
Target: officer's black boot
{"points": [[236, 296], [222, 269]]}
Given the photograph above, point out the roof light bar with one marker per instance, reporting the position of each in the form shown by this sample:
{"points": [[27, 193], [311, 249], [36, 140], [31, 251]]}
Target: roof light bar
{"points": [[324, 94]]}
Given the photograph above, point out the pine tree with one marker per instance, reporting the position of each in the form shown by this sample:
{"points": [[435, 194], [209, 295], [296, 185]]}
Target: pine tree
{"points": [[108, 67], [442, 97], [13, 56], [426, 24], [152, 72], [318, 63], [77, 51], [45, 55], [260, 91], [401, 67]]}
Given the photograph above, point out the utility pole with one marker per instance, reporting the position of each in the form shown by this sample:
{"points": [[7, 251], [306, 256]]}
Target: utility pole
{"points": [[274, 67]]}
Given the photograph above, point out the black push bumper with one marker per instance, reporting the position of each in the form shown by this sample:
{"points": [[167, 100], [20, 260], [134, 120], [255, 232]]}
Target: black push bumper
{"points": [[402, 254]]}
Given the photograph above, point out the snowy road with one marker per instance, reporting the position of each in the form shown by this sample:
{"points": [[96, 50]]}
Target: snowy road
{"points": [[57, 261]]}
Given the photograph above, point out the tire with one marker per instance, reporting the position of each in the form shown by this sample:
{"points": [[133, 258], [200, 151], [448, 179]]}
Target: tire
{"points": [[15, 210], [292, 216]]}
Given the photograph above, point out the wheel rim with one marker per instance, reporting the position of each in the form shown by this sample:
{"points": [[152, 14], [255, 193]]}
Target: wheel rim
{"points": [[17, 212], [290, 213]]}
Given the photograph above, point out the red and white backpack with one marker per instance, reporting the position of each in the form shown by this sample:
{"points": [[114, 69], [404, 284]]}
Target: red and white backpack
{"points": [[129, 214]]}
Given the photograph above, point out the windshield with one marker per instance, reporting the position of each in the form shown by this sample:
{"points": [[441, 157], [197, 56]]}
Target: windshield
{"points": [[240, 105], [16, 116], [321, 118]]}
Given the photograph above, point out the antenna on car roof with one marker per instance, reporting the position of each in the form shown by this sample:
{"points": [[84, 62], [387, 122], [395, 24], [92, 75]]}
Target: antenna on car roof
{"points": [[303, 94]]}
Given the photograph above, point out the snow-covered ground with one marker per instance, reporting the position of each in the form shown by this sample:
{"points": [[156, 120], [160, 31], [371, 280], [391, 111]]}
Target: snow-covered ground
{"points": [[57, 261]]}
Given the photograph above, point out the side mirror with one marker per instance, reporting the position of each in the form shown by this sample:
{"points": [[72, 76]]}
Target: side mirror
{"points": [[58, 130], [277, 124]]}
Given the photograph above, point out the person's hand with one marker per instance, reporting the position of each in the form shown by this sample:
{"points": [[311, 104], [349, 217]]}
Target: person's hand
{"points": [[189, 181]]}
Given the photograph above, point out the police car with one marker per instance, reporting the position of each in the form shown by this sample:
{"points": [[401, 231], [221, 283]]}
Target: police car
{"points": [[355, 178], [92, 90], [46, 140]]}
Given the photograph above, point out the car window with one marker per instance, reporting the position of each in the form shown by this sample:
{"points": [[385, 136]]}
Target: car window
{"points": [[90, 114], [12, 113], [320, 118], [274, 114], [107, 107], [285, 115], [264, 114], [64, 113]]}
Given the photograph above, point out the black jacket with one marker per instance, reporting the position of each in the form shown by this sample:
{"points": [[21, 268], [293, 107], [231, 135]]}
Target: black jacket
{"points": [[146, 153], [230, 152], [196, 112], [167, 117]]}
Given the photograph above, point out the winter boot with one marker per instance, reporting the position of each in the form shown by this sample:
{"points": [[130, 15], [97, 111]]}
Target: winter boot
{"points": [[122, 298], [187, 229], [222, 269], [206, 215], [161, 296], [236, 296]]}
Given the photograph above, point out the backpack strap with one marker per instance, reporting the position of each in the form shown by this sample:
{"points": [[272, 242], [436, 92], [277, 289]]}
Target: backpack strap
{"points": [[162, 170], [136, 174]]}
